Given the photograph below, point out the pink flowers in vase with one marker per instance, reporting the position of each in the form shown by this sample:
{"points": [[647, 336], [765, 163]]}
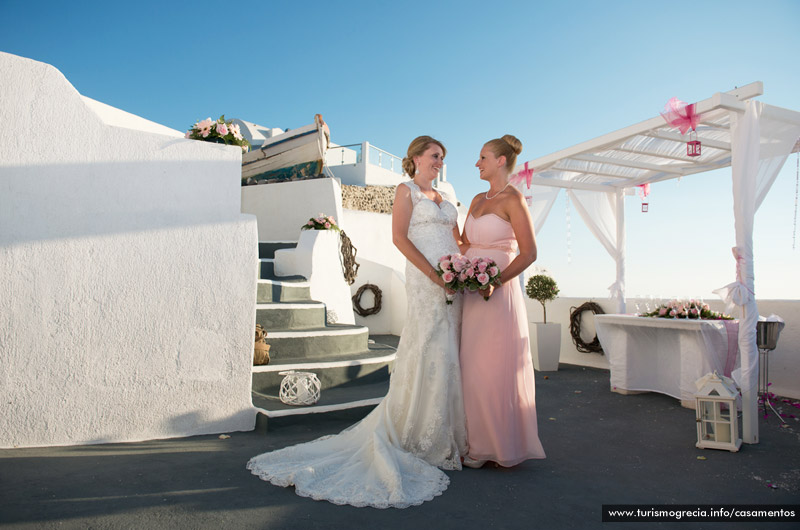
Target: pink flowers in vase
{"points": [[459, 273]]}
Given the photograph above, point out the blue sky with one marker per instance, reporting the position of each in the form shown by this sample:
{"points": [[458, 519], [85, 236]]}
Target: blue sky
{"points": [[554, 74]]}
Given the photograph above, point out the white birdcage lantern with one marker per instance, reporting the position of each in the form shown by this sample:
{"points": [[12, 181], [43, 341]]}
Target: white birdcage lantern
{"points": [[717, 413], [299, 388]]}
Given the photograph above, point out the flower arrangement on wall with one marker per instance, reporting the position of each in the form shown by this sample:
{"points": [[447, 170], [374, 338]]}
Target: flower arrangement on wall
{"points": [[220, 131], [321, 222]]}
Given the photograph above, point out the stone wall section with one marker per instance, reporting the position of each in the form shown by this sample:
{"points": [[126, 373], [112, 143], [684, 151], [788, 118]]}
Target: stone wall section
{"points": [[378, 199]]}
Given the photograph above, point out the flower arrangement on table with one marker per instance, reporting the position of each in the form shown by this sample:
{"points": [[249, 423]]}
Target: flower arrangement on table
{"points": [[460, 273], [693, 309], [220, 131], [321, 222]]}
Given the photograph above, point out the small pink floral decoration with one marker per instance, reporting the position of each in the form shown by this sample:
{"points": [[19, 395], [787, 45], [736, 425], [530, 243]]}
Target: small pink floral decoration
{"points": [[321, 222], [220, 131]]}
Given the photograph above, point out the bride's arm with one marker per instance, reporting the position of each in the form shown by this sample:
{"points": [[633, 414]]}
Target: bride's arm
{"points": [[401, 219]]}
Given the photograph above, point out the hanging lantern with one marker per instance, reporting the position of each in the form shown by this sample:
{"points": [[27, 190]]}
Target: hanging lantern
{"points": [[644, 191], [693, 146], [717, 416]]}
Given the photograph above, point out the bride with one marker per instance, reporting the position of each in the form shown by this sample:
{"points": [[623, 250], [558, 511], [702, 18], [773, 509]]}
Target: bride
{"points": [[392, 457]]}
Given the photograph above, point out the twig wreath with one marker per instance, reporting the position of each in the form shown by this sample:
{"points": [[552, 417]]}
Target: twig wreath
{"points": [[365, 312], [575, 328]]}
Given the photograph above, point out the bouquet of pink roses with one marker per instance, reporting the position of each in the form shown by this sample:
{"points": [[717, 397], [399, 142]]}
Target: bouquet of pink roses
{"points": [[480, 274], [449, 269]]}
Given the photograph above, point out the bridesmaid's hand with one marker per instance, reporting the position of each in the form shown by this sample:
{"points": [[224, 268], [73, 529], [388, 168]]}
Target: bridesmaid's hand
{"points": [[487, 292]]}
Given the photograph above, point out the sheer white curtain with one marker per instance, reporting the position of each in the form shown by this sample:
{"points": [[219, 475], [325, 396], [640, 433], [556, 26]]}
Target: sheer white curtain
{"points": [[541, 202], [603, 214], [760, 145]]}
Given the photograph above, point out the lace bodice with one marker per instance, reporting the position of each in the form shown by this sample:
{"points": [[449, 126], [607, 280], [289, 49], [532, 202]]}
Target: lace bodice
{"points": [[431, 225]]}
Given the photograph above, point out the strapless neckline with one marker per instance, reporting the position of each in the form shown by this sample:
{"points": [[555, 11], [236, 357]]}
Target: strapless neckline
{"points": [[488, 214]]}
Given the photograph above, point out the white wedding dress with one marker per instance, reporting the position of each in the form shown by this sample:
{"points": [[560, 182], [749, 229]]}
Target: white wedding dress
{"points": [[392, 457]]}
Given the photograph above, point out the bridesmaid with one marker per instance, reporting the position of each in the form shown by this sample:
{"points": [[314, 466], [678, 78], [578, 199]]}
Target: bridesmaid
{"points": [[496, 366]]}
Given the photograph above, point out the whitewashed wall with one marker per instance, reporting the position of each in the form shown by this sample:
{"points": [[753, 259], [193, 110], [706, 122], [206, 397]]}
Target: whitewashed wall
{"points": [[317, 257], [784, 365], [382, 265], [127, 292], [283, 208]]}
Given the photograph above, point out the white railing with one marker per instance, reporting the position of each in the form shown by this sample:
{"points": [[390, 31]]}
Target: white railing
{"points": [[344, 155], [379, 157], [353, 154]]}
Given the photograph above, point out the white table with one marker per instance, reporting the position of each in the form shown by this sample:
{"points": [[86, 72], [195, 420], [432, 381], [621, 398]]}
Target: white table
{"points": [[666, 355]]}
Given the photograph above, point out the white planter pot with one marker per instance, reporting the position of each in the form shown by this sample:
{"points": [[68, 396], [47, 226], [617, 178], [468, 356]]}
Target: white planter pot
{"points": [[545, 346]]}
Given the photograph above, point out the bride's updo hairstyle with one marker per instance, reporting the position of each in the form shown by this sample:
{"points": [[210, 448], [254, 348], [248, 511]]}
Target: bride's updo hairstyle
{"points": [[418, 147], [508, 146]]}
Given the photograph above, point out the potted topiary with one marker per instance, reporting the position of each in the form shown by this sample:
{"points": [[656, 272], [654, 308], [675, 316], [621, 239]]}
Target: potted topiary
{"points": [[545, 338]]}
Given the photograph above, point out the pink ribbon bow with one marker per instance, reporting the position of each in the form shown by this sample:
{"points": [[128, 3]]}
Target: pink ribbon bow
{"points": [[524, 174], [681, 115], [644, 190]]}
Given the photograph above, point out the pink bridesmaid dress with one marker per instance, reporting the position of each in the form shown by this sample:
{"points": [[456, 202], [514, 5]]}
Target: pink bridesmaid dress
{"points": [[496, 366]]}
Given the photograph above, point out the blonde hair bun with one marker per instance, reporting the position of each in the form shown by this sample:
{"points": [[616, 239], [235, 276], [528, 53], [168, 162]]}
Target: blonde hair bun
{"points": [[508, 146], [514, 142]]}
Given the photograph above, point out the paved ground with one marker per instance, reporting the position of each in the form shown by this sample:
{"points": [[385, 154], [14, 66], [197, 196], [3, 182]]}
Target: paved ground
{"points": [[602, 448]]}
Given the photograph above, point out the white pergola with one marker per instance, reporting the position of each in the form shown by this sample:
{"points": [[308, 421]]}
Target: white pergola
{"points": [[751, 137]]}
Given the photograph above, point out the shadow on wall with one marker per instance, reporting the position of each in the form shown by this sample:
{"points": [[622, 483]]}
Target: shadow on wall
{"points": [[57, 201]]}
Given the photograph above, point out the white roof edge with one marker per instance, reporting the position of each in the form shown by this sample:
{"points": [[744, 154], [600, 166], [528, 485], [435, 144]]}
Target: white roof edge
{"points": [[717, 100], [120, 118]]}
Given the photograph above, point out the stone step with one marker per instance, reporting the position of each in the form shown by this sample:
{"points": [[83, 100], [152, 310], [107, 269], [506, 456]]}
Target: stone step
{"points": [[289, 289], [290, 315], [358, 399], [333, 342], [266, 249], [266, 269], [372, 366]]}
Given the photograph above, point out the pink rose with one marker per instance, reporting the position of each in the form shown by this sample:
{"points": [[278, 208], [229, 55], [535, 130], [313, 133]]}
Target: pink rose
{"points": [[483, 278], [327, 224], [188, 134], [448, 277], [457, 265], [470, 272], [444, 263], [310, 223], [331, 220], [673, 313], [662, 311], [222, 129], [462, 277], [493, 271], [694, 311], [482, 266]]}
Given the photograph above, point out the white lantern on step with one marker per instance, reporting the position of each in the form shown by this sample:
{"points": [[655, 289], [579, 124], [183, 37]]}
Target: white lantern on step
{"points": [[299, 388], [717, 413]]}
